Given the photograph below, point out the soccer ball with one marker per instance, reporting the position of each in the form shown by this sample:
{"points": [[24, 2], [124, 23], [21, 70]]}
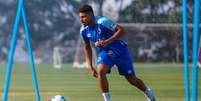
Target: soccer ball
{"points": [[57, 98]]}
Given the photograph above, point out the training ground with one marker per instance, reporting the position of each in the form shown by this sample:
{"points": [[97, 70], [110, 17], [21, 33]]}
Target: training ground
{"points": [[166, 80]]}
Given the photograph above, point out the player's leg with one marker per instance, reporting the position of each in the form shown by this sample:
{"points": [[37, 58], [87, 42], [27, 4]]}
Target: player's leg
{"points": [[199, 57], [136, 82], [103, 82], [102, 71], [133, 80], [126, 68], [104, 65]]}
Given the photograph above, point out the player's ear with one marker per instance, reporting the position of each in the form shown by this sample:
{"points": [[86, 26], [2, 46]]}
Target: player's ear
{"points": [[91, 14]]}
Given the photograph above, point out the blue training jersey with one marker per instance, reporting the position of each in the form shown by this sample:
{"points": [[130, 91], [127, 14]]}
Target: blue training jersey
{"points": [[103, 29]]}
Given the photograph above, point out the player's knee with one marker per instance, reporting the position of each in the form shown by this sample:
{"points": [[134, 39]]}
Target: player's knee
{"points": [[101, 72], [133, 80]]}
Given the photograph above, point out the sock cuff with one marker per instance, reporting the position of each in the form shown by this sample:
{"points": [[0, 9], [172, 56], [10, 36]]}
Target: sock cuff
{"points": [[147, 90], [106, 96], [106, 93]]}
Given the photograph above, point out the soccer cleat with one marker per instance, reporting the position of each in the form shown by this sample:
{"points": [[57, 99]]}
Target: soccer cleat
{"points": [[150, 95]]}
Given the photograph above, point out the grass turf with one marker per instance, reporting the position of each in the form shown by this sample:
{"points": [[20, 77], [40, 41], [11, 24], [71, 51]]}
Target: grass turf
{"points": [[166, 80]]}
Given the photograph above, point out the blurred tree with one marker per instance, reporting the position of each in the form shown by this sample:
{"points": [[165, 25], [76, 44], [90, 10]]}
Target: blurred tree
{"points": [[120, 6], [155, 11], [52, 23], [56, 22]]}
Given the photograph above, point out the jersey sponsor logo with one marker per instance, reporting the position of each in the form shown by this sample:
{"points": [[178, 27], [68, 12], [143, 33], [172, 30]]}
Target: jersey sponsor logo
{"points": [[89, 35]]}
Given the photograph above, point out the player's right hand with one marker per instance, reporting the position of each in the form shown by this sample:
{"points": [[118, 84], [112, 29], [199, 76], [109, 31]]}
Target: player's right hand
{"points": [[94, 73], [101, 43]]}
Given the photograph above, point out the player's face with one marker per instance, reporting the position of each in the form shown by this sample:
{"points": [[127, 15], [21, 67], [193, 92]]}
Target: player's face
{"points": [[85, 18]]}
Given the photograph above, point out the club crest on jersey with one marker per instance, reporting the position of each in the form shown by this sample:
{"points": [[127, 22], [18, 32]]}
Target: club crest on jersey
{"points": [[99, 31], [88, 34]]}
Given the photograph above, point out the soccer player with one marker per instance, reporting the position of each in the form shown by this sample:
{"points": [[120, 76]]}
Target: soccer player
{"points": [[105, 35]]}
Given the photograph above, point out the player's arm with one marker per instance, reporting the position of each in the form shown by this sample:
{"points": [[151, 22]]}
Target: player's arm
{"points": [[119, 32], [88, 54]]}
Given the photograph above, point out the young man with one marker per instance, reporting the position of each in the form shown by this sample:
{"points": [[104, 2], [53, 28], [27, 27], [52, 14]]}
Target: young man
{"points": [[105, 35]]}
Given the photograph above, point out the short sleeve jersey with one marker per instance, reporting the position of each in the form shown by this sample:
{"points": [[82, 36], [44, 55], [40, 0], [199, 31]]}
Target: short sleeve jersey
{"points": [[103, 29]]}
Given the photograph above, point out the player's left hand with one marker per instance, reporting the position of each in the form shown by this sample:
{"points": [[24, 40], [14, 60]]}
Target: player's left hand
{"points": [[101, 43]]}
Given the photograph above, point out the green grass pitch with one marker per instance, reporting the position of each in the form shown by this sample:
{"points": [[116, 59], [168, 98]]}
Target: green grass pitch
{"points": [[166, 80]]}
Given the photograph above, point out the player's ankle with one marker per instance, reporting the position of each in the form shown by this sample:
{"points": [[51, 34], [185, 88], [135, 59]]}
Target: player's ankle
{"points": [[149, 93], [147, 90], [106, 96]]}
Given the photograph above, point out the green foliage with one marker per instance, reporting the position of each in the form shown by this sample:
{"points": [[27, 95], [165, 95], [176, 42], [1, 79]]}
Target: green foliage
{"points": [[155, 11]]}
